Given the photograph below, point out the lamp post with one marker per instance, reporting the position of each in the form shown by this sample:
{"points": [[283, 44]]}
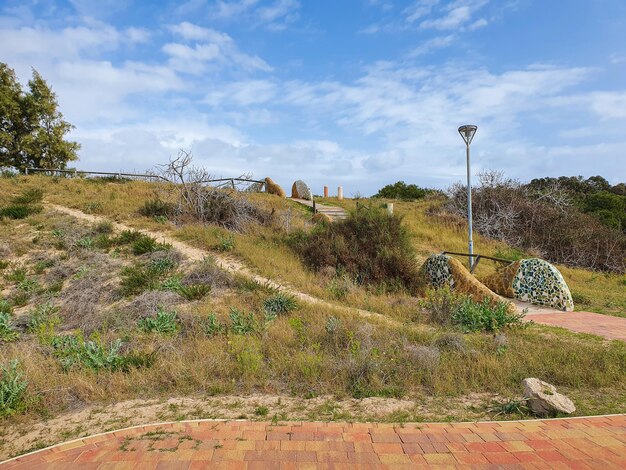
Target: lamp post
{"points": [[467, 133]]}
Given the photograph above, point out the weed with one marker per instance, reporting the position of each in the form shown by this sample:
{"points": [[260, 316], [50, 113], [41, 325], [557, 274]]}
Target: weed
{"points": [[424, 357], [581, 299], [73, 351], [5, 307], [28, 285], [280, 304], [510, 407], [146, 244], [85, 242], [93, 207], [41, 266], [4, 264], [333, 324], [104, 227], [472, 316], [12, 388], [29, 196], [163, 322], [43, 315], [16, 275], [451, 342], [138, 278], [242, 324], [226, 243], [261, 411], [7, 333], [19, 211], [157, 208], [340, 286], [194, 291], [442, 304], [127, 236], [20, 298], [213, 326]]}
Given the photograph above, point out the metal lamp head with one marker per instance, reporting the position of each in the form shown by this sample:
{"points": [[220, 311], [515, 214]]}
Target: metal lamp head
{"points": [[467, 132]]}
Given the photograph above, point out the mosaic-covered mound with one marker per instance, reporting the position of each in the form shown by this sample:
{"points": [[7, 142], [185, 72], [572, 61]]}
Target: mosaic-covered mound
{"points": [[442, 270], [501, 282], [538, 282]]}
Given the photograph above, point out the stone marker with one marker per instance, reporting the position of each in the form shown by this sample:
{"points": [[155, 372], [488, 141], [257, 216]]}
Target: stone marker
{"points": [[300, 190], [340, 193], [325, 191], [273, 188], [544, 400], [390, 208]]}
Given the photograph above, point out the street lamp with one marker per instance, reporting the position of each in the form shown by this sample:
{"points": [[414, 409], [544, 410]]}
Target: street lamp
{"points": [[467, 133]]}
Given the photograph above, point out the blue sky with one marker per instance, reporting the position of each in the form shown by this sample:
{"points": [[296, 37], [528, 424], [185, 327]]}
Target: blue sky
{"points": [[358, 93]]}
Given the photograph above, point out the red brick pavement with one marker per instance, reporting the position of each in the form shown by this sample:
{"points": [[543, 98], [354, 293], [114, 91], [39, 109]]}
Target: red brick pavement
{"points": [[578, 443], [584, 322]]}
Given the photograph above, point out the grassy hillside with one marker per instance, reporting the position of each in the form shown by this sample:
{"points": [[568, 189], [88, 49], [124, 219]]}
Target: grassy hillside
{"points": [[97, 317]]}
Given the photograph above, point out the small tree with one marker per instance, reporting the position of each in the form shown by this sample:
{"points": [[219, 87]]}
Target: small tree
{"points": [[32, 129]]}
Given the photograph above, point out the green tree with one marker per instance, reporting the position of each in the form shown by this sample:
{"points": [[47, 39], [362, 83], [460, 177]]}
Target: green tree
{"points": [[13, 123], [401, 190], [33, 130]]}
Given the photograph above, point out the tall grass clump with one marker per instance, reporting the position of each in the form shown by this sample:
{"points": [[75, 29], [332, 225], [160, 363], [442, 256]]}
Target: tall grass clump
{"points": [[370, 245], [29, 196], [157, 208], [12, 388], [280, 304]]}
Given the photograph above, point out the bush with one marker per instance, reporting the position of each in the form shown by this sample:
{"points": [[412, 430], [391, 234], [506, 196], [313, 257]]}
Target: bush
{"points": [[403, 191], [453, 342], [193, 291], [163, 322], [370, 246], [74, 352], [145, 244], [12, 388], [7, 333], [19, 211], [472, 316], [441, 304], [240, 323], [544, 219], [280, 304], [29, 196], [157, 208]]}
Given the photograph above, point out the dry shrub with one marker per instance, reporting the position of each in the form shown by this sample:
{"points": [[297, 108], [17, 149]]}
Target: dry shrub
{"points": [[206, 272], [423, 357], [547, 223], [370, 246], [223, 207], [150, 302]]}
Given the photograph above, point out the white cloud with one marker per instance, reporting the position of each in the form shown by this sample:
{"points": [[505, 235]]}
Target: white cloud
{"points": [[419, 9], [455, 18], [609, 105], [213, 46], [433, 44]]}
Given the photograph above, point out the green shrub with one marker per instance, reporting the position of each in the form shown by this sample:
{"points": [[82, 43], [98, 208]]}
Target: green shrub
{"points": [[213, 326], [161, 322], [7, 333], [28, 196], [74, 352], [12, 388], [146, 244], [441, 304], [127, 236], [157, 208], [104, 227], [138, 278], [194, 291], [16, 275], [5, 307], [472, 316], [403, 191], [41, 266], [226, 243], [19, 211], [370, 246], [240, 323], [280, 304], [4, 264], [42, 315]]}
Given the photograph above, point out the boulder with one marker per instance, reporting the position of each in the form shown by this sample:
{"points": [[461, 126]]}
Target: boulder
{"points": [[300, 190], [273, 188], [544, 400]]}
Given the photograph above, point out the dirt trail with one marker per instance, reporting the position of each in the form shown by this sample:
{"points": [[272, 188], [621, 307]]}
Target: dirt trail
{"points": [[226, 263]]}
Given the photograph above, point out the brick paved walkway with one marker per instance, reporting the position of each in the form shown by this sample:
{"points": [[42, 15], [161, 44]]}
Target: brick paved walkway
{"points": [[584, 322], [582, 443]]}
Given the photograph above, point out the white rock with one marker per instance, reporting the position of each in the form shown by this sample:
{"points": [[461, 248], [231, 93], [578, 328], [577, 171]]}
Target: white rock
{"points": [[544, 400]]}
